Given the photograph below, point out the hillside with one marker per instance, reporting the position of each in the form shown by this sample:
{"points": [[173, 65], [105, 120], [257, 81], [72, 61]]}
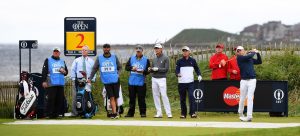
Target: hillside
{"points": [[200, 36]]}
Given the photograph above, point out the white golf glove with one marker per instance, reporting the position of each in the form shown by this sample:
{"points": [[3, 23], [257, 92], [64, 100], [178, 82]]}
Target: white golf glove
{"points": [[155, 68], [199, 78]]}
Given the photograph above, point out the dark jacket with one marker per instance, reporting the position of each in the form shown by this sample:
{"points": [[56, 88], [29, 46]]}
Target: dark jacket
{"points": [[190, 62], [246, 65]]}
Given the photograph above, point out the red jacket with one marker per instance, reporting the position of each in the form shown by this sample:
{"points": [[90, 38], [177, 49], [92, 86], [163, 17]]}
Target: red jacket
{"points": [[217, 71], [232, 65]]}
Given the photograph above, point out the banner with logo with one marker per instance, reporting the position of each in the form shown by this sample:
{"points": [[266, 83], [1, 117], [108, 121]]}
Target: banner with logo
{"points": [[223, 96]]}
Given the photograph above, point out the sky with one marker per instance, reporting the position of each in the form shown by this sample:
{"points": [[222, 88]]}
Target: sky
{"points": [[137, 21]]}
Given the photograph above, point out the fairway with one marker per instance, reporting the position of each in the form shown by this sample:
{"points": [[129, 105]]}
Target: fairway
{"points": [[82, 130], [155, 123], [206, 125]]}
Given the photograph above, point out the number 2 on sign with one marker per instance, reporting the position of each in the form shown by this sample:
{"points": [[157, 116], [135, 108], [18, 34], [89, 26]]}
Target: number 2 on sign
{"points": [[81, 40]]}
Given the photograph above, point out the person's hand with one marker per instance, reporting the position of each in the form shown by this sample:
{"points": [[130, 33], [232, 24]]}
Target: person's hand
{"points": [[155, 68], [89, 81], [199, 78], [256, 51], [149, 69], [140, 70], [179, 75], [62, 70], [223, 62], [45, 84], [234, 71], [134, 68]]}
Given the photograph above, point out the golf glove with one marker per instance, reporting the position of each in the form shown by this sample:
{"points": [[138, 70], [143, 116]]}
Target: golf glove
{"points": [[155, 68], [199, 78]]}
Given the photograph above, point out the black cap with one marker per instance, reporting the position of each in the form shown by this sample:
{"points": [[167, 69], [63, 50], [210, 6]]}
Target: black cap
{"points": [[106, 45]]}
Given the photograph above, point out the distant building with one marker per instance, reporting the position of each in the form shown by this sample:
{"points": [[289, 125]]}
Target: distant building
{"points": [[274, 30], [271, 31], [251, 33]]}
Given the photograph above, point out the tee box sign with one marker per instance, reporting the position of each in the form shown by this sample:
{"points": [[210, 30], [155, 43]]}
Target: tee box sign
{"points": [[80, 31]]}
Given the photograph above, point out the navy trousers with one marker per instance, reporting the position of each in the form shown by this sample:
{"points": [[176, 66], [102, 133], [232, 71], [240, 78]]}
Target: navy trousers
{"points": [[183, 89]]}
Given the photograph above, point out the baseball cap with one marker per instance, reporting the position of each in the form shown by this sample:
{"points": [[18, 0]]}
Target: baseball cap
{"points": [[106, 45], [139, 48], [56, 49], [240, 48], [220, 45], [185, 48], [158, 45]]}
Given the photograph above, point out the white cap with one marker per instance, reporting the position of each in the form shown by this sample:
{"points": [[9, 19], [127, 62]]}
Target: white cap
{"points": [[185, 48], [240, 48], [158, 45], [56, 48]]}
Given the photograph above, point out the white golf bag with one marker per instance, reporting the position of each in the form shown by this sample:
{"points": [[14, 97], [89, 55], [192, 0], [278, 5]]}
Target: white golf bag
{"points": [[107, 105]]}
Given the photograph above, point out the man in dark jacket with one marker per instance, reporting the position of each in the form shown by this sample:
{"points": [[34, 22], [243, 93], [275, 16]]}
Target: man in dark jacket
{"points": [[55, 69], [185, 68], [138, 66], [248, 80]]}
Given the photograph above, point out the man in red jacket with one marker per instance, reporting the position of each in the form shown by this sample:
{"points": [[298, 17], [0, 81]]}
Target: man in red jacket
{"points": [[218, 65], [233, 68]]}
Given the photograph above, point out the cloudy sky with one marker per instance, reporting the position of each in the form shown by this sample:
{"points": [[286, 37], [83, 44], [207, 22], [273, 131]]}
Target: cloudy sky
{"points": [[137, 21]]}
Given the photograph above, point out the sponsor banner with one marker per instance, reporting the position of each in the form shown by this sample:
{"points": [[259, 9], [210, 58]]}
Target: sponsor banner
{"points": [[223, 96]]}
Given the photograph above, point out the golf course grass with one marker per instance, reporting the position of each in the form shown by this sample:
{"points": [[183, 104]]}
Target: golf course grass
{"points": [[80, 130], [84, 130]]}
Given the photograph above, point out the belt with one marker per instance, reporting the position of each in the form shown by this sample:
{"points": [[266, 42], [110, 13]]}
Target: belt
{"points": [[248, 78]]}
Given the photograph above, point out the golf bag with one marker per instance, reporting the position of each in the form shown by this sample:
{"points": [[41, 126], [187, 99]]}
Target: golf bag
{"points": [[85, 104], [26, 99], [107, 105]]}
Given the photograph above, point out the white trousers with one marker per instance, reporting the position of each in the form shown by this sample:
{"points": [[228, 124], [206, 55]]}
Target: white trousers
{"points": [[159, 88], [247, 88]]}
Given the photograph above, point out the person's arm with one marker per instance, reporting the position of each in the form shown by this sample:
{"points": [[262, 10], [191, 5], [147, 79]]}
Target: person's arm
{"points": [[258, 60], [177, 69], [166, 66], [213, 64], [94, 69], [229, 66], [45, 70], [146, 72], [73, 70], [246, 57], [119, 65], [128, 66], [197, 69], [66, 69]]}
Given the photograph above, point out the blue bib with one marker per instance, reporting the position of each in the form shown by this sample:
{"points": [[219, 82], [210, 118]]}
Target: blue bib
{"points": [[108, 69], [137, 78], [56, 78]]}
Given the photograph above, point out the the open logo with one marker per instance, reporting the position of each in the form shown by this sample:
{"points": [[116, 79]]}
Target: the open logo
{"points": [[198, 94], [278, 95]]}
